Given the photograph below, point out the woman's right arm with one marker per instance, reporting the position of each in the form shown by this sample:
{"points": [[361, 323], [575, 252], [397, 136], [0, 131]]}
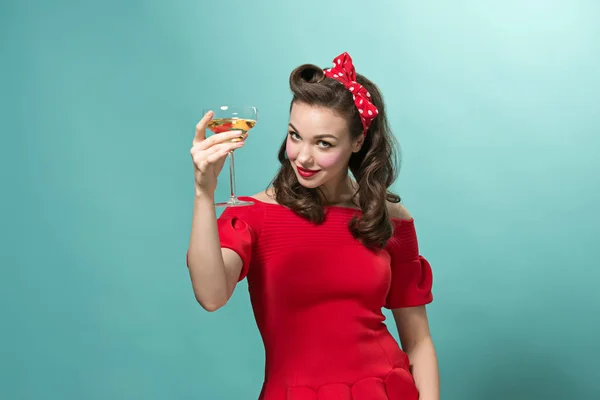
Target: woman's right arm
{"points": [[214, 271]]}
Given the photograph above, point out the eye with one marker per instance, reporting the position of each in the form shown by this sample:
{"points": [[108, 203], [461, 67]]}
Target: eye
{"points": [[294, 135], [325, 144]]}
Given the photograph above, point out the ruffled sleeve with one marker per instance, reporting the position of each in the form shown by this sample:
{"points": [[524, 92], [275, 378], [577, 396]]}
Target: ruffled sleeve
{"points": [[239, 228], [412, 278]]}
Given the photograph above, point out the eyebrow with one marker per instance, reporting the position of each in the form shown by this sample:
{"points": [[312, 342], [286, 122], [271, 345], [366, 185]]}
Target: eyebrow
{"points": [[323, 136]]}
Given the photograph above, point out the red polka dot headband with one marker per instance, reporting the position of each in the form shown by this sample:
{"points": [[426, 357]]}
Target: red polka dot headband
{"points": [[344, 72]]}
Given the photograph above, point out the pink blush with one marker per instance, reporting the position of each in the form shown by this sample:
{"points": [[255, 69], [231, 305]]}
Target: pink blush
{"points": [[327, 161], [291, 153]]}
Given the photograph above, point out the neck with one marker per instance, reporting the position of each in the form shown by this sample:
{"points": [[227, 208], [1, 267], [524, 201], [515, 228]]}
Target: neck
{"points": [[338, 191]]}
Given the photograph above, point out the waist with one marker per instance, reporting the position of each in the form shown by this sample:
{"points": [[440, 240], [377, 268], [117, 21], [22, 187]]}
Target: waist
{"points": [[318, 357]]}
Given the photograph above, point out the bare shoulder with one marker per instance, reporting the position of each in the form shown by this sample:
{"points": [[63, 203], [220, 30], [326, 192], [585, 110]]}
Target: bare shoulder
{"points": [[398, 211], [266, 196]]}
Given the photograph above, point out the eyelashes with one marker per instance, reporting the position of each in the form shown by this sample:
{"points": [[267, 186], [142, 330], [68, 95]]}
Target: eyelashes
{"points": [[322, 144], [294, 135]]}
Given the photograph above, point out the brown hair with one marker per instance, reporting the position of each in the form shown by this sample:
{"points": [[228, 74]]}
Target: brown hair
{"points": [[374, 167]]}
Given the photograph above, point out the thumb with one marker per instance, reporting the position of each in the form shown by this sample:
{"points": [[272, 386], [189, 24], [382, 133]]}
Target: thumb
{"points": [[201, 127]]}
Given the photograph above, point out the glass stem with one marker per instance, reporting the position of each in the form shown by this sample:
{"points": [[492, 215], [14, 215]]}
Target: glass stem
{"points": [[232, 175]]}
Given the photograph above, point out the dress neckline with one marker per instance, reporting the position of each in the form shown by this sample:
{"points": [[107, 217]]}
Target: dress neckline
{"points": [[279, 205], [332, 207]]}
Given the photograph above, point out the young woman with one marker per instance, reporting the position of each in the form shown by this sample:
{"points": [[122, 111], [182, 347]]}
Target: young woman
{"points": [[323, 251]]}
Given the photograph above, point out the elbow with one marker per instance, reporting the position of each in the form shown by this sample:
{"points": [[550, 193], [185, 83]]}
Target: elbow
{"points": [[210, 305]]}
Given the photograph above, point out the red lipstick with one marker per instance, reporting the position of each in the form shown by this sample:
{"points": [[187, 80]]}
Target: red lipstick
{"points": [[306, 173]]}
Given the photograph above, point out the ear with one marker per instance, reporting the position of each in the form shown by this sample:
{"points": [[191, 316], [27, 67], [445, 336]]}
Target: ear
{"points": [[358, 144]]}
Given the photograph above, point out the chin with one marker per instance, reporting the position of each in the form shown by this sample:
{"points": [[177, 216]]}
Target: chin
{"points": [[309, 183]]}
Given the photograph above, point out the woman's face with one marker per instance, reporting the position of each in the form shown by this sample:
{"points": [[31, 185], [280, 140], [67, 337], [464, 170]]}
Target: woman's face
{"points": [[319, 145]]}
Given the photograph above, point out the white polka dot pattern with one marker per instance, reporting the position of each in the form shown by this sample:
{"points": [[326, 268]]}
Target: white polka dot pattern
{"points": [[344, 72]]}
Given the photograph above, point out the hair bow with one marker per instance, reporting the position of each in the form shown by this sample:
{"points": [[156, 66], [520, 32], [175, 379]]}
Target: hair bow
{"points": [[343, 71]]}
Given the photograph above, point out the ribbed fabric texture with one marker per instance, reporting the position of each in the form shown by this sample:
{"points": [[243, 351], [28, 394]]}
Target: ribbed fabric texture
{"points": [[317, 295]]}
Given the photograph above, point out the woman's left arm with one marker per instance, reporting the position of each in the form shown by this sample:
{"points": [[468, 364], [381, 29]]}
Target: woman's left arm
{"points": [[415, 339]]}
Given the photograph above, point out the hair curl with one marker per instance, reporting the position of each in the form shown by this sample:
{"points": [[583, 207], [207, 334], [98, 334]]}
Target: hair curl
{"points": [[374, 167]]}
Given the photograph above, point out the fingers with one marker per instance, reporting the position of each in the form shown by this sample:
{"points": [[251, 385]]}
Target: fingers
{"points": [[213, 158], [201, 127], [217, 157], [219, 138], [202, 148], [202, 158]]}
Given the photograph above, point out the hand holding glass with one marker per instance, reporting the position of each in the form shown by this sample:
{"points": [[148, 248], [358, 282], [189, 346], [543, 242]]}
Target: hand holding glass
{"points": [[228, 118]]}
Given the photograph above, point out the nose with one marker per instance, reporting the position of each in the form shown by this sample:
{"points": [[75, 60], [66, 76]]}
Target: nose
{"points": [[305, 155]]}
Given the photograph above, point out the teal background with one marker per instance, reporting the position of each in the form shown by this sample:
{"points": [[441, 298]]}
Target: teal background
{"points": [[495, 104]]}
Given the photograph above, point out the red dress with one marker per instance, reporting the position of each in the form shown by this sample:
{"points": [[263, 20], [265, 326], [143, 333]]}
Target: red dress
{"points": [[317, 295]]}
